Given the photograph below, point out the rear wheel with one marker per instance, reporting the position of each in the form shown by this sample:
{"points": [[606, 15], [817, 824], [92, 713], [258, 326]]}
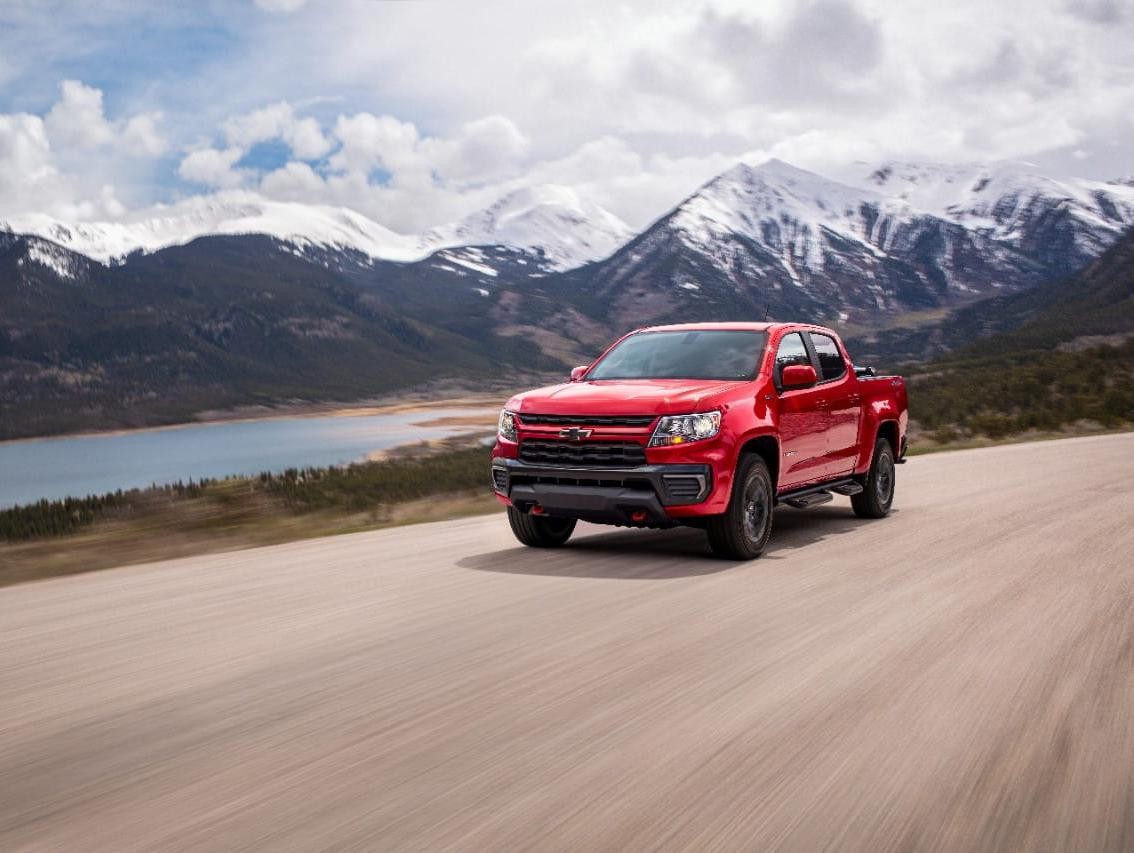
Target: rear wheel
{"points": [[742, 532], [877, 493], [540, 531]]}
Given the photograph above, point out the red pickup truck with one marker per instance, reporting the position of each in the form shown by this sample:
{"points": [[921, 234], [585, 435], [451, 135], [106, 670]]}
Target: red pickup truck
{"points": [[706, 424]]}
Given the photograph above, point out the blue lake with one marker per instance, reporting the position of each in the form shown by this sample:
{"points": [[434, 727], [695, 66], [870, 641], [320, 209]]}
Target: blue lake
{"points": [[94, 464]]}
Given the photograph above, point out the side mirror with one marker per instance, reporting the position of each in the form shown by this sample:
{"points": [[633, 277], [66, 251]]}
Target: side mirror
{"points": [[579, 372], [798, 376]]}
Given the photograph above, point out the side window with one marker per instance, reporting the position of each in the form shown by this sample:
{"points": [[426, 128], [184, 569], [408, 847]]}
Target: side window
{"points": [[791, 351], [831, 364]]}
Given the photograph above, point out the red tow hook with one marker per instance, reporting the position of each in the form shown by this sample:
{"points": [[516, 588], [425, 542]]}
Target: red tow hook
{"points": [[638, 515], [537, 510]]}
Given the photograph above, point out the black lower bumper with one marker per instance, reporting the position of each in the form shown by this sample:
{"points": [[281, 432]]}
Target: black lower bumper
{"points": [[611, 495]]}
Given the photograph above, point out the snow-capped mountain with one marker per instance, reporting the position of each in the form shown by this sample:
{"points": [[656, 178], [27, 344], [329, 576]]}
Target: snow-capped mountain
{"points": [[766, 239], [278, 300], [552, 223], [1014, 204], [775, 238], [226, 213], [552, 220]]}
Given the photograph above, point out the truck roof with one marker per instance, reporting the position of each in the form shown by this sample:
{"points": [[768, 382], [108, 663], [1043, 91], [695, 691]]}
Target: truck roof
{"points": [[731, 326]]}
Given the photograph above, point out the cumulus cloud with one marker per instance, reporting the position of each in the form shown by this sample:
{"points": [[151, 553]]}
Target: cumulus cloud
{"points": [[293, 182], [213, 167], [77, 118], [483, 150], [479, 151], [30, 182], [407, 116], [25, 159], [141, 138], [278, 121], [371, 142]]}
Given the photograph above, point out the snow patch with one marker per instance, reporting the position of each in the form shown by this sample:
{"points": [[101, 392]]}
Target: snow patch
{"points": [[52, 257], [470, 261]]}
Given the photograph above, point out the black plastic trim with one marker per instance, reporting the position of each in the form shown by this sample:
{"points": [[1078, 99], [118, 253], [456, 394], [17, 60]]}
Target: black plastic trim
{"points": [[599, 493], [785, 497]]}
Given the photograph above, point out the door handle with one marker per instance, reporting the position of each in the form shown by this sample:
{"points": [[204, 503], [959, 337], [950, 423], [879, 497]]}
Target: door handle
{"points": [[854, 399]]}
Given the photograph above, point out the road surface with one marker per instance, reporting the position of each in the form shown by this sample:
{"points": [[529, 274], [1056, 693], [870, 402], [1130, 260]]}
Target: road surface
{"points": [[959, 676]]}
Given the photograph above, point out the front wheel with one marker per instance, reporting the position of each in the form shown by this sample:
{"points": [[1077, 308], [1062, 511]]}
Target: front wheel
{"points": [[538, 531], [742, 532], [877, 493]]}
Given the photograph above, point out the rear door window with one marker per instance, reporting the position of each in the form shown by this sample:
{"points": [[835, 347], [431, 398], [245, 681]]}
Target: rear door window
{"points": [[831, 363]]}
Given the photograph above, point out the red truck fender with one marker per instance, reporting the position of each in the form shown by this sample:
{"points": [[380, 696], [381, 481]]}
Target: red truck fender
{"points": [[884, 417]]}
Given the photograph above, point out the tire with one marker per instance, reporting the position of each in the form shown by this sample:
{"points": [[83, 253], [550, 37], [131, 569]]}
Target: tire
{"points": [[742, 532], [540, 531], [877, 495]]}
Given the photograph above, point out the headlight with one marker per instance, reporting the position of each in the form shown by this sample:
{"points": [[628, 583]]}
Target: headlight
{"points": [[506, 426], [680, 429]]}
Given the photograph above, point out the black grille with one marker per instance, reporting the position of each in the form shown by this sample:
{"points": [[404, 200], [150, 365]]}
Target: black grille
{"points": [[587, 453], [612, 481], [587, 420], [499, 479], [682, 489]]}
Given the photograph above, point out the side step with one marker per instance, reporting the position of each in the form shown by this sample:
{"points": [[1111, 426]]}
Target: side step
{"points": [[821, 493], [813, 499]]}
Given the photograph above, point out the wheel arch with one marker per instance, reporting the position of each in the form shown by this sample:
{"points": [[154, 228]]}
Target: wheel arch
{"points": [[888, 430], [767, 447]]}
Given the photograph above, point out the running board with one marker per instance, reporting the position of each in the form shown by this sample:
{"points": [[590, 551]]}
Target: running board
{"points": [[820, 493], [813, 499]]}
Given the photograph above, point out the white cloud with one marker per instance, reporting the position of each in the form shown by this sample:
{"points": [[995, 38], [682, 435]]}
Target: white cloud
{"points": [[483, 150], [30, 182], [373, 142], [293, 181], [26, 171], [140, 136], [278, 121], [77, 122], [416, 118], [77, 118], [213, 167], [479, 152]]}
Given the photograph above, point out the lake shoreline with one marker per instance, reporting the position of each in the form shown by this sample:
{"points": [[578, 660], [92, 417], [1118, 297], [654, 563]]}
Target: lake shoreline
{"points": [[104, 462], [255, 414]]}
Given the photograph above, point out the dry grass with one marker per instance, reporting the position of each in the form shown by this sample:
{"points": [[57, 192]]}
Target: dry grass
{"points": [[198, 526]]}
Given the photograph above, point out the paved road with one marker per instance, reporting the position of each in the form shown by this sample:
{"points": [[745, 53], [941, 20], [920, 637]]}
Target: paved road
{"points": [[959, 676]]}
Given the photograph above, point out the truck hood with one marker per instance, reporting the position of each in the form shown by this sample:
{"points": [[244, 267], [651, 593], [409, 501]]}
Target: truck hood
{"points": [[622, 397]]}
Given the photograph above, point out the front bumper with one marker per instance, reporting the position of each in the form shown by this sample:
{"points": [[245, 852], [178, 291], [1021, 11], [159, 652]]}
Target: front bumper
{"points": [[635, 496]]}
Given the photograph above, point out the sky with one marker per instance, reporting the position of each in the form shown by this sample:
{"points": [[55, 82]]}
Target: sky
{"points": [[417, 112]]}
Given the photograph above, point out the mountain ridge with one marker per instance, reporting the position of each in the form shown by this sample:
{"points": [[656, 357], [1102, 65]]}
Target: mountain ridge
{"points": [[524, 219], [230, 319]]}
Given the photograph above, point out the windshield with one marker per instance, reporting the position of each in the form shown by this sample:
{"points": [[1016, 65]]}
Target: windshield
{"points": [[707, 354]]}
